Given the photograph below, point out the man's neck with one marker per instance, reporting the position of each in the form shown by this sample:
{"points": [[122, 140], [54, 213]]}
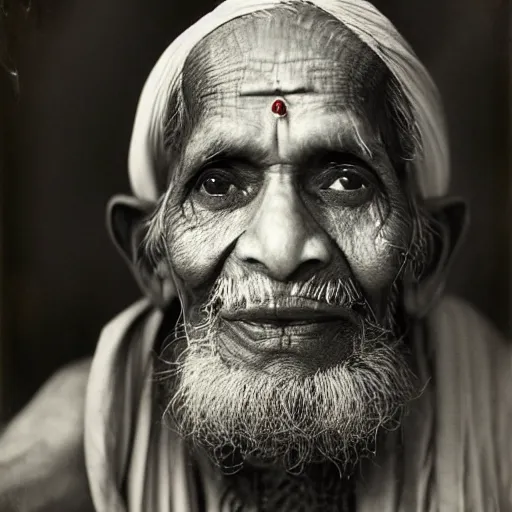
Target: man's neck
{"points": [[319, 488]]}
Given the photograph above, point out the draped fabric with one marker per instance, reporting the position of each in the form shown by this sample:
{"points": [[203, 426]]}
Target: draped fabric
{"points": [[149, 164], [452, 454]]}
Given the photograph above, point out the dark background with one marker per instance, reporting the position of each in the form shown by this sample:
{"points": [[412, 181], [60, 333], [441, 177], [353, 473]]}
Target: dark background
{"points": [[65, 136]]}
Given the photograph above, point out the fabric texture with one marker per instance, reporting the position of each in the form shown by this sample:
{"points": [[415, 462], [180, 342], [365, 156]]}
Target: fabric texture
{"points": [[453, 453]]}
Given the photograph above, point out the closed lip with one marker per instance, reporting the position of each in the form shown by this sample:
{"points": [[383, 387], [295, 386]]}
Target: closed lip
{"points": [[287, 310]]}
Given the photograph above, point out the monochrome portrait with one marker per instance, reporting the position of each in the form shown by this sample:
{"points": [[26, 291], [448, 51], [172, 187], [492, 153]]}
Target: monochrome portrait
{"points": [[255, 257]]}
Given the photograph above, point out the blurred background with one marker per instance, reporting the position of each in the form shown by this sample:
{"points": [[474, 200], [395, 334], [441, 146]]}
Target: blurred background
{"points": [[65, 126]]}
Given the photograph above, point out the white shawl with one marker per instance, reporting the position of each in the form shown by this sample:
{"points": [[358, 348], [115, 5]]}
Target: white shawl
{"points": [[457, 445]]}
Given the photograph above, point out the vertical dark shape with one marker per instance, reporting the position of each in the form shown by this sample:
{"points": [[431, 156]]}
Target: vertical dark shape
{"points": [[3, 140], [464, 45], [81, 67], [12, 17]]}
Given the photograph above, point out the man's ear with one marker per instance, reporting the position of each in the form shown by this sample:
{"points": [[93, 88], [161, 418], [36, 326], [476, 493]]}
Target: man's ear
{"points": [[126, 222], [449, 222]]}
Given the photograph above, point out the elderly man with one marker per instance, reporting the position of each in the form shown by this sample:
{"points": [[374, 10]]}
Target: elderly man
{"points": [[291, 232]]}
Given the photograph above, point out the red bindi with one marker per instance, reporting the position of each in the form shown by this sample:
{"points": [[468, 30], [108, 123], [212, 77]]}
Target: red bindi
{"points": [[279, 108]]}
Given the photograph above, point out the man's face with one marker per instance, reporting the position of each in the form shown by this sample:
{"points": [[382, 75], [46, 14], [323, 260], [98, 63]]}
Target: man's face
{"points": [[285, 235]]}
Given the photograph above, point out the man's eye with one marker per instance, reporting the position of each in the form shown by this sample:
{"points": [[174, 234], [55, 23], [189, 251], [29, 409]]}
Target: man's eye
{"points": [[346, 181], [217, 186], [346, 185], [221, 188]]}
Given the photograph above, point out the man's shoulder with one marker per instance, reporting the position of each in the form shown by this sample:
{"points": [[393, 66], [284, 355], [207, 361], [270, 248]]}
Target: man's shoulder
{"points": [[42, 465], [468, 343], [456, 317]]}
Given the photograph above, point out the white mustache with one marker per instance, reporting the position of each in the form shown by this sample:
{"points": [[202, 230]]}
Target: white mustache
{"points": [[245, 292]]}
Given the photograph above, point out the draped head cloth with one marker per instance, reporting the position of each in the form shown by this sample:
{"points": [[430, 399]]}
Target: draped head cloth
{"points": [[149, 165], [444, 461]]}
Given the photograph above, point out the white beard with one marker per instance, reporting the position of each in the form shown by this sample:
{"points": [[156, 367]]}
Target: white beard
{"points": [[285, 418]]}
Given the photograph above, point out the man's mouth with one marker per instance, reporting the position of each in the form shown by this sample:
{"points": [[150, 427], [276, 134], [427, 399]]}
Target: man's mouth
{"points": [[289, 325], [287, 311]]}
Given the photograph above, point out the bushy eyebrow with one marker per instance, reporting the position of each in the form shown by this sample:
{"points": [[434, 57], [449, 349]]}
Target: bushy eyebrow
{"points": [[227, 142], [204, 149]]}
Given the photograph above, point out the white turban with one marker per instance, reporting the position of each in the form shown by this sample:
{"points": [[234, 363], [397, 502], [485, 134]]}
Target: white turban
{"points": [[147, 160]]}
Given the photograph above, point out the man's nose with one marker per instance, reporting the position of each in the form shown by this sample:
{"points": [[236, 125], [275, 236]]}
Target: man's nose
{"points": [[283, 240]]}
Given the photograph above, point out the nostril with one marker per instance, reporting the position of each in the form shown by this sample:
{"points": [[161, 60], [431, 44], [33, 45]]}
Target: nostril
{"points": [[252, 261], [306, 269], [312, 264]]}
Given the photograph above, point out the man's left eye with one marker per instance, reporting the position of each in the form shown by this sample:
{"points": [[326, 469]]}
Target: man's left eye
{"points": [[346, 180]]}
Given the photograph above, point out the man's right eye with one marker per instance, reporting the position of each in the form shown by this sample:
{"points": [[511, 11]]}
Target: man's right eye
{"points": [[216, 185], [216, 189]]}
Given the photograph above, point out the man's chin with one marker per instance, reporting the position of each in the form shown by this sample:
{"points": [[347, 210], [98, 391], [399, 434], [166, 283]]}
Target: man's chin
{"points": [[294, 348], [288, 418]]}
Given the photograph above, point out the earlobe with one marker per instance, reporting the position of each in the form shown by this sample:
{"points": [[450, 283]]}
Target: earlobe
{"points": [[450, 220], [126, 222]]}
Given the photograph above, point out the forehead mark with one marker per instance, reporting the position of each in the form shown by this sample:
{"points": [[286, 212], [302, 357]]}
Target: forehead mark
{"points": [[288, 75], [282, 137], [263, 77]]}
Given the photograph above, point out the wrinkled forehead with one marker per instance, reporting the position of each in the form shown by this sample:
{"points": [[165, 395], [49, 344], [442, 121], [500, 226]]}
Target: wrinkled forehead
{"points": [[284, 51]]}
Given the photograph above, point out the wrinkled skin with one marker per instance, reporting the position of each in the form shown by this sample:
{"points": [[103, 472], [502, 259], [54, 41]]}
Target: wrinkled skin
{"points": [[260, 204], [314, 193]]}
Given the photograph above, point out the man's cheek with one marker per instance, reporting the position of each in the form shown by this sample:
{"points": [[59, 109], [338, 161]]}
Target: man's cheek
{"points": [[375, 262], [372, 246], [198, 243]]}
